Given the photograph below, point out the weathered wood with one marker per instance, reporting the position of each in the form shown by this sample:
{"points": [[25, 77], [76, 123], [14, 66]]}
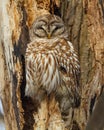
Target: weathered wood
{"points": [[85, 21], [13, 42], [6, 44]]}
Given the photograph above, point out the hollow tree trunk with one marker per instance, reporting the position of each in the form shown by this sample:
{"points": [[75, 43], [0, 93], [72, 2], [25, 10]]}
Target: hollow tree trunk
{"points": [[85, 22]]}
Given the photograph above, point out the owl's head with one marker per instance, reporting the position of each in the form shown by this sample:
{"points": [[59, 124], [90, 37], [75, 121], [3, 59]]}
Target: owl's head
{"points": [[48, 27]]}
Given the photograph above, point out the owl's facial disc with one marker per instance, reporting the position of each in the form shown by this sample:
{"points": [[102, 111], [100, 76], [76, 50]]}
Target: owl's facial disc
{"points": [[53, 30], [49, 27]]}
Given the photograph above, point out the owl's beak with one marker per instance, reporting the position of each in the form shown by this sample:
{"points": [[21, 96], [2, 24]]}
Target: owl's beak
{"points": [[49, 35]]}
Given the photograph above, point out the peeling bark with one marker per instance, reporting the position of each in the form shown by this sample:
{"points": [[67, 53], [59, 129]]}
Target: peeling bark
{"points": [[86, 29]]}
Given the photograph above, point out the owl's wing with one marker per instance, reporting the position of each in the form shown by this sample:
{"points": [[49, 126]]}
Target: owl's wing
{"points": [[68, 64], [30, 73]]}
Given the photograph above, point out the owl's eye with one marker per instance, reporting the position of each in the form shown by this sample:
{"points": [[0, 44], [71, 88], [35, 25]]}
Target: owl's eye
{"points": [[42, 22], [39, 31], [40, 27], [58, 29]]}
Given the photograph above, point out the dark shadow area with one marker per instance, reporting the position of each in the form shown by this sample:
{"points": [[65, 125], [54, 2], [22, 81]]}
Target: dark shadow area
{"points": [[27, 103], [75, 126], [54, 9], [29, 108], [96, 121], [92, 103], [14, 100]]}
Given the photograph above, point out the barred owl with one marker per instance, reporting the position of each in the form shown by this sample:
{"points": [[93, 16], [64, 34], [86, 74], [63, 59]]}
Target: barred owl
{"points": [[52, 64]]}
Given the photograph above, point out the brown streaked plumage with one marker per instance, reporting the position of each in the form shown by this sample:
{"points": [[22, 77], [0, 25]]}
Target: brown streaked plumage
{"points": [[52, 64]]}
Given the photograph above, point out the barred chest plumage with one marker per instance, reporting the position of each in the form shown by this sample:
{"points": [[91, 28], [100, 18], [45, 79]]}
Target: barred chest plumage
{"points": [[46, 64]]}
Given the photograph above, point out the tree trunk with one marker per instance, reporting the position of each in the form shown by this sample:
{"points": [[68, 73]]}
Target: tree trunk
{"points": [[85, 22]]}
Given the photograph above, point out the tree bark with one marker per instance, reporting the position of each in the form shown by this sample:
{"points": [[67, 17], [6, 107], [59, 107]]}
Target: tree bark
{"points": [[85, 22]]}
